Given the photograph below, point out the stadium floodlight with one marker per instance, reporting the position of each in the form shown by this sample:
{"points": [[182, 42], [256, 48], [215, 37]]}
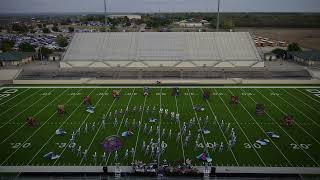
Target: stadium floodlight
{"points": [[105, 15], [218, 16]]}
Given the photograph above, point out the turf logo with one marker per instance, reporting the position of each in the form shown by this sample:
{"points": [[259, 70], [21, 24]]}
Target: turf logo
{"points": [[7, 93], [315, 92]]}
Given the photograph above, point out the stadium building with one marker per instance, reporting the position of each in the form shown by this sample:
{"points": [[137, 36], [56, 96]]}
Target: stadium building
{"points": [[162, 49]]}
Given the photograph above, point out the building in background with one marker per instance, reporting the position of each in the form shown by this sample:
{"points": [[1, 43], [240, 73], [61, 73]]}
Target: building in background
{"points": [[129, 16], [56, 56], [270, 56], [309, 58], [15, 58]]}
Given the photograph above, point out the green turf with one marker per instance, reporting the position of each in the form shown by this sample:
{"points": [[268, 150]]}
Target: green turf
{"points": [[298, 146]]}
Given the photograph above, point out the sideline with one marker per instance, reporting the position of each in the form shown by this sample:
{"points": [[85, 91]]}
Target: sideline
{"points": [[129, 169], [195, 86]]}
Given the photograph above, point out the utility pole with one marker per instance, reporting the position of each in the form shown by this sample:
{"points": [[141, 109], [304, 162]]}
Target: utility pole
{"points": [[218, 16], [105, 15]]}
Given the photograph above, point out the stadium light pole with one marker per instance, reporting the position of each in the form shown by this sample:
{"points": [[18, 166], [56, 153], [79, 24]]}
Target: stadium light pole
{"points": [[218, 16], [105, 15]]}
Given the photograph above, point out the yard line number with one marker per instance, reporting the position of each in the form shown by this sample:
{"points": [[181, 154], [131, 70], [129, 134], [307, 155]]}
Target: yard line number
{"points": [[18, 145], [275, 94], [300, 146], [208, 145], [103, 94], [217, 94], [254, 145], [7, 93], [63, 145], [75, 94], [247, 94], [315, 92]]}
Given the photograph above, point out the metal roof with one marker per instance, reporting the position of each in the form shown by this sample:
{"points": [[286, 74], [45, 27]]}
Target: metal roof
{"points": [[162, 46], [307, 55], [14, 56]]}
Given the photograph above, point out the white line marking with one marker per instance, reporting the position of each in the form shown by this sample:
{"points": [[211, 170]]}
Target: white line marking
{"points": [[295, 121], [160, 117], [167, 86], [225, 138], [315, 110], [241, 129], [262, 129], [24, 109], [141, 119], [38, 129], [301, 111], [306, 94], [282, 128], [204, 141], [184, 158], [85, 119], [124, 115], [54, 133], [34, 115], [15, 96], [94, 137]]}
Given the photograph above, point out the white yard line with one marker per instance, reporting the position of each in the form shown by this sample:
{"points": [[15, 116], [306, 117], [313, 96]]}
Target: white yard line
{"points": [[283, 129], [306, 94], [241, 129], [287, 114], [38, 129], [196, 114], [23, 110], [54, 132], [124, 115], [85, 119], [166, 86], [297, 110], [315, 110], [184, 157], [94, 137], [14, 96], [225, 138], [141, 119], [33, 115], [160, 117], [263, 130]]}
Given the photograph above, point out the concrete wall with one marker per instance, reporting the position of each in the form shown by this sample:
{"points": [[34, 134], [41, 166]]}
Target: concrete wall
{"points": [[173, 82]]}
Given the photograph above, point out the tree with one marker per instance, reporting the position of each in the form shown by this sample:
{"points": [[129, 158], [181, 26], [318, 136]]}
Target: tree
{"points": [[294, 47], [113, 29], [71, 29], [228, 24], [102, 29], [20, 28], [62, 41], [45, 30], [26, 47], [279, 52], [45, 52], [213, 24], [6, 45], [32, 31], [55, 29]]}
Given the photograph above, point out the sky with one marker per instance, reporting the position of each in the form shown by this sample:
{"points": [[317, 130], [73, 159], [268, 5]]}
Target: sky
{"points": [[71, 6]]}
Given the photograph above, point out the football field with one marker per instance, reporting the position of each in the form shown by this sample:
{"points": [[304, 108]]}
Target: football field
{"points": [[138, 117]]}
